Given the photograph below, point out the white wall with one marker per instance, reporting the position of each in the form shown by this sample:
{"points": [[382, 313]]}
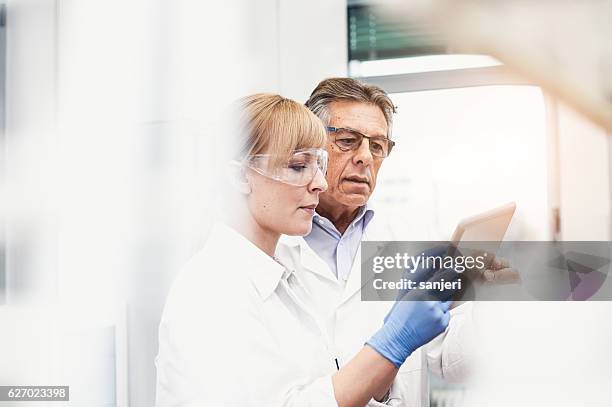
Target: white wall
{"points": [[464, 151], [312, 44], [584, 162], [31, 146]]}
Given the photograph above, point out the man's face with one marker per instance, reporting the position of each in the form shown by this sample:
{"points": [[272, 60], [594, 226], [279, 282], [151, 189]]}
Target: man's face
{"points": [[351, 175]]}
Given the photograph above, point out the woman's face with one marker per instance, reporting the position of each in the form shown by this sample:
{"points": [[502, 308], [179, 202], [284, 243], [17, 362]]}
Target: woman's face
{"points": [[283, 208]]}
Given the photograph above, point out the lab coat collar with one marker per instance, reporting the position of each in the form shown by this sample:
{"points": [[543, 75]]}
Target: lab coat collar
{"points": [[262, 270], [304, 257]]}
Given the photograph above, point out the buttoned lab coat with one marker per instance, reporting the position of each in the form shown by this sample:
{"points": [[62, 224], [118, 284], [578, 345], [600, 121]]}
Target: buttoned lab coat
{"points": [[350, 322]]}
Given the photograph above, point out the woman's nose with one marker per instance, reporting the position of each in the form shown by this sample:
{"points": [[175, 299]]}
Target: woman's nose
{"points": [[318, 183]]}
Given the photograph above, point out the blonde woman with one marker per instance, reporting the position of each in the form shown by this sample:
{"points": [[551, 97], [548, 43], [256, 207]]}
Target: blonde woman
{"points": [[238, 327]]}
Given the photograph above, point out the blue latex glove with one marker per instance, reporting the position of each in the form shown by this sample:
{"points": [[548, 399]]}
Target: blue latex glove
{"points": [[408, 326]]}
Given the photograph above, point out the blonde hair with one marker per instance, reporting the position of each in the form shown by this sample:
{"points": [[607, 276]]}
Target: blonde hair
{"points": [[272, 124]]}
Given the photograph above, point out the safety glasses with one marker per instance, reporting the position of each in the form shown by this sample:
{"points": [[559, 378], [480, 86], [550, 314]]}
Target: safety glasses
{"points": [[299, 169]]}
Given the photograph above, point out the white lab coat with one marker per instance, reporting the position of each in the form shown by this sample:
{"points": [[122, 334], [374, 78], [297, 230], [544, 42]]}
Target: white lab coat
{"points": [[232, 334]]}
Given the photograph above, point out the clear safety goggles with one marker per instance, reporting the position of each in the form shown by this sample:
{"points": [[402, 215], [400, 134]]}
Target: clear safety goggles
{"points": [[298, 169]]}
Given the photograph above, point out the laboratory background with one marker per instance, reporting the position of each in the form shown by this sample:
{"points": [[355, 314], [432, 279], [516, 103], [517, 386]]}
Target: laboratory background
{"points": [[110, 143]]}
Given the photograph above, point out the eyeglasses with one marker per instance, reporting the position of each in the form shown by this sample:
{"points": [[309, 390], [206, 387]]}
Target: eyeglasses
{"points": [[299, 169], [349, 139]]}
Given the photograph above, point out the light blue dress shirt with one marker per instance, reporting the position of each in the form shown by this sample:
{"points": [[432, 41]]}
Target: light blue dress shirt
{"points": [[336, 249]]}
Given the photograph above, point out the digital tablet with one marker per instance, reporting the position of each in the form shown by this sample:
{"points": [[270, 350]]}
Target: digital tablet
{"points": [[490, 226], [486, 232]]}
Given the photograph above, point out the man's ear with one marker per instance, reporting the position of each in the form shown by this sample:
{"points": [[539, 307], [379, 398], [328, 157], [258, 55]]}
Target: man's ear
{"points": [[238, 178]]}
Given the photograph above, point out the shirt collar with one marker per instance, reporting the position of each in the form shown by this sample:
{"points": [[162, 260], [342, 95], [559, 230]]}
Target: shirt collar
{"points": [[366, 212], [263, 270]]}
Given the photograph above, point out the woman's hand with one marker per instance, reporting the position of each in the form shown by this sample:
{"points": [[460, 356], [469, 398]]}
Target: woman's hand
{"points": [[410, 325]]}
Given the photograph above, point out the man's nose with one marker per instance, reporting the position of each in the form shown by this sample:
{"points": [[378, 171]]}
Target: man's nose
{"points": [[318, 183], [363, 155]]}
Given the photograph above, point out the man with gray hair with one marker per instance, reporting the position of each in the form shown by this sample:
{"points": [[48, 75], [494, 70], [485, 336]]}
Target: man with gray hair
{"points": [[416, 337]]}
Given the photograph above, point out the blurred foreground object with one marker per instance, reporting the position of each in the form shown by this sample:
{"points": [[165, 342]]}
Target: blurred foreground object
{"points": [[562, 46]]}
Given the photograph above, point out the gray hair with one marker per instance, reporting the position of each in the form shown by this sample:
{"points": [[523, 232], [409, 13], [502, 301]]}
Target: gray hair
{"points": [[335, 89]]}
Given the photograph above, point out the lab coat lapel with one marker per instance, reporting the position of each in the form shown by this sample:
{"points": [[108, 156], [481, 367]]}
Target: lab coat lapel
{"points": [[374, 231], [354, 283]]}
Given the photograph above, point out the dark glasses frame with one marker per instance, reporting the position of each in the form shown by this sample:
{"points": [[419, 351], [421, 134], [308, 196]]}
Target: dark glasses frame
{"points": [[358, 134]]}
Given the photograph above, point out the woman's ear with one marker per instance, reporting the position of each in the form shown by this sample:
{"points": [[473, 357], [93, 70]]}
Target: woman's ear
{"points": [[238, 178]]}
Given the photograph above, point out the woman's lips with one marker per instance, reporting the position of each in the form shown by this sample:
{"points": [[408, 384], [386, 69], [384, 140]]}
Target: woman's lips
{"points": [[309, 208]]}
